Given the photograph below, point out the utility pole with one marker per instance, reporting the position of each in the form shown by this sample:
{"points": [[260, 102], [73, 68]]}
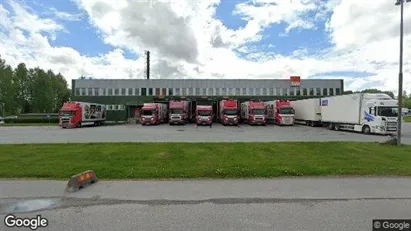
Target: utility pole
{"points": [[148, 64], [400, 75]]}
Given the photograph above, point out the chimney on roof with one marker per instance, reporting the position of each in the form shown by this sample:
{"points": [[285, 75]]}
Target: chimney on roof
{"points": [[148, 64]]}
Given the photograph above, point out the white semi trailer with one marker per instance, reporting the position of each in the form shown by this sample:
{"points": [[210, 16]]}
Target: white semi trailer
{"points": [[307, 111], [361, 112]]}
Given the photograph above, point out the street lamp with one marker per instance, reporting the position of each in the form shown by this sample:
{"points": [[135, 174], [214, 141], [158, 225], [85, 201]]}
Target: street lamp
{"points": [[400, 3]]}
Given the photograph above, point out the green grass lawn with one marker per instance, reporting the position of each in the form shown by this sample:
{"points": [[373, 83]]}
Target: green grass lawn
{"points": [[203, 160], [407, 119]]}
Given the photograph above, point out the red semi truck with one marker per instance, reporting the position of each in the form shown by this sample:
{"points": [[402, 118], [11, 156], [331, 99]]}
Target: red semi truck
{"points": [[78, 114], [204, 115], [153, 113], [229, 112], [280, 112], [179, 112], [254, 112]]}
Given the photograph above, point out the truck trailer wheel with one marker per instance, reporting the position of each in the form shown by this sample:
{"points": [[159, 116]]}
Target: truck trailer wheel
{"points": [[337, 127], [366, 129], [331, 126]]}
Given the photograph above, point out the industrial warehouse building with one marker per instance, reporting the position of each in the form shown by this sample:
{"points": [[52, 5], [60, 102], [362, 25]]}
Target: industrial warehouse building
{"points": [[123, 96]]}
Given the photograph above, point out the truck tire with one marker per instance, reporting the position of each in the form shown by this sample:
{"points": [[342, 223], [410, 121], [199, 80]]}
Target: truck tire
{"points": [[337, 127], [366, 129], [330, 126]]}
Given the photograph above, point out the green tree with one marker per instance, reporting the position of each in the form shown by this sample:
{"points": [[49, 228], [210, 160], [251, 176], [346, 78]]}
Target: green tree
{"points": [[373, 90], [42, 93], [348, 92], [25, 90], [60, 91], [7, 89], [22, 94]]}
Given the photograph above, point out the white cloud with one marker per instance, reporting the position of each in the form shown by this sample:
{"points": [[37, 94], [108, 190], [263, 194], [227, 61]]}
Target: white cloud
{"points": [[25, 20], [65, 15], [187, 41]]}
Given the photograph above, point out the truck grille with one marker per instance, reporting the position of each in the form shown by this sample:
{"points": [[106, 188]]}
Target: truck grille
{"points": [[392, 126], [65, 123], [175, 118]]}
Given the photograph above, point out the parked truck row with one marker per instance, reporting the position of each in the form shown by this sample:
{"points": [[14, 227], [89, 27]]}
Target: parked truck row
{"points": [[361, 112], [227, 112], [230, 112]]}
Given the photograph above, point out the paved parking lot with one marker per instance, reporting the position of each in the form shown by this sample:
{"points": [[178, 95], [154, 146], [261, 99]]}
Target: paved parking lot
{"points": [[186, 133]]}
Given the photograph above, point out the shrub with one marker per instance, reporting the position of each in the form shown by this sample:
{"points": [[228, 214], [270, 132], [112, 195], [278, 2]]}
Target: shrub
{"points": [[31, 120]]}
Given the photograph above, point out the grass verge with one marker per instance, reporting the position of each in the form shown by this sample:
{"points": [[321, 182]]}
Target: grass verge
{"points": [[203, 160], [407, 119]]}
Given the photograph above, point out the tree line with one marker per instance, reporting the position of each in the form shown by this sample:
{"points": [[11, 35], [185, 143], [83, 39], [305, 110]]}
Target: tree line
{"points": [[33, 90]]}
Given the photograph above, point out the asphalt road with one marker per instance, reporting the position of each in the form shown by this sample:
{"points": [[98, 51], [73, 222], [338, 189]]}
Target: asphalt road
{"points": [[186, 133], [260, 204]]}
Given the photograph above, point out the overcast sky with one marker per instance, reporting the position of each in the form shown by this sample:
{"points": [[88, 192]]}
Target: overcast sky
{"points": [[350, 39]]}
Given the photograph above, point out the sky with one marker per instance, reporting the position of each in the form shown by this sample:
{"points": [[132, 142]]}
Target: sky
{"points": [[357, 41]]}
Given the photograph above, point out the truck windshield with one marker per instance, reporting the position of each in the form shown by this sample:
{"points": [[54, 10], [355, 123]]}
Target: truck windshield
{"points": [[176, 111], [257, 111], [204, 113], [387, 111], [147, 112], [230, 112], [66, 113], [286, 111]]}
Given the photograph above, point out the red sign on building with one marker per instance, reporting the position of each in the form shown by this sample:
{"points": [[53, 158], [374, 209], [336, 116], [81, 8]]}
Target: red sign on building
{"points": [[295, 81]]}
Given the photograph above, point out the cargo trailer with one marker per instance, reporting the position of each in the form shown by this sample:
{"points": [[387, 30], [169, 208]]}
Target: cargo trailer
{"points": [[361, 112], [77, 114], [307, 111]]}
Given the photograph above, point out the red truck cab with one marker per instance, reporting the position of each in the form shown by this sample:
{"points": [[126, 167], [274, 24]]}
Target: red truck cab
{"points": [[149, 114], [178, 112], [284, 113], [254, 112], [70, 115], [229, 112], [153, 113], [204, 115]]}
